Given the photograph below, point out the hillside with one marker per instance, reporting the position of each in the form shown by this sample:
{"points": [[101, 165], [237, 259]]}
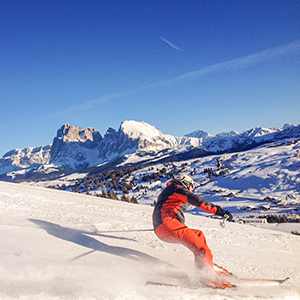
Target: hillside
{"points": [[60, 245], [261, 182]]}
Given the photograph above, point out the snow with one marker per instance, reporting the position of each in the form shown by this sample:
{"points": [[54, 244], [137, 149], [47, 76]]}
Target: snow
{"points": [[254, 175], [61, 245], [136, 129], [199, 134]]}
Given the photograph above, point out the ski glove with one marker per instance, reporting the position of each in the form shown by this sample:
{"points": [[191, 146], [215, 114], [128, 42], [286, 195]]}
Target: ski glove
{"points": [[223, 213], [228, 216]]}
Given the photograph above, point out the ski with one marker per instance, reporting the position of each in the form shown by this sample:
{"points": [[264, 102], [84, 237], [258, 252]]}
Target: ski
{"points": [[215, 285], [222, 285], [225, 279], [280, 281], [164, 284]]}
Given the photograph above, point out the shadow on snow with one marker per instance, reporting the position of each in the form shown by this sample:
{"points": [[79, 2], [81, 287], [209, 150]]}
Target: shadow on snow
{"points": [[81, 238]]}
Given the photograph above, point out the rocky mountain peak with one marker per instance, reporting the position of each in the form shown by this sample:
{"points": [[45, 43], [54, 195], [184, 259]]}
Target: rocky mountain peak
{"points": [[227, 134], [109, 133], [200, 134], [69, 133], [69, 148]]}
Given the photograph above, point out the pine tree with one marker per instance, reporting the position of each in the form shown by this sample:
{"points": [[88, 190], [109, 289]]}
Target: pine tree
{"points": [[103, 194], [124, 198], [134, 200], [112, 195]]}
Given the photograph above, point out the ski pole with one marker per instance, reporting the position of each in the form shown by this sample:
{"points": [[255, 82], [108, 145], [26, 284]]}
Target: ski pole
{"points": [[124, 230], [223, 221]]}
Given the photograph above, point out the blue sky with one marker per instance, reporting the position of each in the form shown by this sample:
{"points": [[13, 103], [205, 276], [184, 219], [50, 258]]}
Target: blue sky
{"points": [[182, 65]]}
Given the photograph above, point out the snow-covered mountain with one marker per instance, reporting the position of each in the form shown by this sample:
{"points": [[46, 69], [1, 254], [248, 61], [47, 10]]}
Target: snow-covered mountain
{"points": [[19, 159], [200, 134], [82, 149]]}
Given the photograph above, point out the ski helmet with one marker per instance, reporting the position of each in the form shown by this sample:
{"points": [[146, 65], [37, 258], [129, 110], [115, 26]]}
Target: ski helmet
{"points": [[184, 179]]}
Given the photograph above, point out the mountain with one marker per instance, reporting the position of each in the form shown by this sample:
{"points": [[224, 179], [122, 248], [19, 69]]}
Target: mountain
{"points": [[76, 149], [19, 159], [200, 134], [234, 141]]}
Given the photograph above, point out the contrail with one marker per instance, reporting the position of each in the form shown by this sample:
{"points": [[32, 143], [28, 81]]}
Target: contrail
{"points": [[236, 63], [170, 44]]}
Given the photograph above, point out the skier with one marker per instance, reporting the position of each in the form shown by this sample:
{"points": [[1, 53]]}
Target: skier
{"points": [[168, 222]]}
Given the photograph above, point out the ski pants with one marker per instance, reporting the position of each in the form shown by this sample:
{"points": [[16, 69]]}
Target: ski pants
{"points": [[172, 231]]}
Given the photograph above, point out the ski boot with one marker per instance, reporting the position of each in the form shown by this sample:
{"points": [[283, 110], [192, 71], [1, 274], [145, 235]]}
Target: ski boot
{"points": [[219, 285], [220, 271]]}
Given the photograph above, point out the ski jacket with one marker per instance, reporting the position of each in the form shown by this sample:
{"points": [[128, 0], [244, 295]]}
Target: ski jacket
{"points": [[174, 200]]}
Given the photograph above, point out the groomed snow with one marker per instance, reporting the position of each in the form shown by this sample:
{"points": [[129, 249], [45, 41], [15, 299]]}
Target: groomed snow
{"points": [[61, 245]]}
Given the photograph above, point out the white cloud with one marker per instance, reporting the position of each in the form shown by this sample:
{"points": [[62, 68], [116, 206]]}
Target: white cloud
{"points": [[236, 63], [242, 61], [90, 103]]}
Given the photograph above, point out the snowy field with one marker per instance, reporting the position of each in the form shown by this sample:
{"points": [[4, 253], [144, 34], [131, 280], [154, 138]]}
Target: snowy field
{"points": [[61, 245]]}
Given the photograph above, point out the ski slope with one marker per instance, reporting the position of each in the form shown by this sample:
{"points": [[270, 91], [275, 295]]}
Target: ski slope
{"points": [[61, 245]]}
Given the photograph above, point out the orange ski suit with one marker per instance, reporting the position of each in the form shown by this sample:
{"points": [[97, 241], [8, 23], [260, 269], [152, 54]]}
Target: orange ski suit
{"points": [[168, 221]]}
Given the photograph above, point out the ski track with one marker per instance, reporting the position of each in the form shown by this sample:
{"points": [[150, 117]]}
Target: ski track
{"points": [[60, 245]]}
